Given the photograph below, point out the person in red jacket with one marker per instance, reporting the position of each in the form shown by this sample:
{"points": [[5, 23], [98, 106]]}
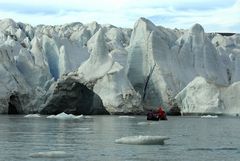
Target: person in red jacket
{"points": [[162, 114]]}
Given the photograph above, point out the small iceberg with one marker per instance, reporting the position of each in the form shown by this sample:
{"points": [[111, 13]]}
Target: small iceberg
{"points": [[51, 154], [88, 117], [148, 123], [128, 117], [65, 116], [209, 116], [84, 130], [142, 140], [32, 116]]}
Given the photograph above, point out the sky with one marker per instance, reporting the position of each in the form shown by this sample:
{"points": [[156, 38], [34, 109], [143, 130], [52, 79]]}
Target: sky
{"points": [[213, 15]]}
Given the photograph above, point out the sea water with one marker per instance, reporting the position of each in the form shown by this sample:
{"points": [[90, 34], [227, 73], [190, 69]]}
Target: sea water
{"points": [[93, 139]]}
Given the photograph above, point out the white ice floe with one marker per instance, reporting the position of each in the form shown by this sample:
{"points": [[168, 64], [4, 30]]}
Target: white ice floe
{"points": [[88, 117], [130, 117], [148, 123], [142, 140], [32, 115], [209, 116], [83, 129], [51, 154], [65, 116]]}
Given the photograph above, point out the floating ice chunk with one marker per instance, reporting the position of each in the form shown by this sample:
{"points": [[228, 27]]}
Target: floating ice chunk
{"points": [[147, 123], [142, 140], [143, 123], [83, 129], [88, 117], [209, 116], [51, 154], [78, 117], [32, 115], [65, 116], [51, 116], [130, 117]]}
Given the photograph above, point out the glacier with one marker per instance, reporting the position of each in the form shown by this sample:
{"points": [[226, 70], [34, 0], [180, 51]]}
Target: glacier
{"points": [[204, 96], [100, 69]]}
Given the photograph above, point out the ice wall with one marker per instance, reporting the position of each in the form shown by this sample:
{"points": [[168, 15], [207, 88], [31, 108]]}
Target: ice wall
{"points": [[115, 63]]}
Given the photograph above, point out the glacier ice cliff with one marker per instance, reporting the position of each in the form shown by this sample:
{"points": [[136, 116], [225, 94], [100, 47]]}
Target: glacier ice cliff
{"points": [[203, 96], [93, 69]]}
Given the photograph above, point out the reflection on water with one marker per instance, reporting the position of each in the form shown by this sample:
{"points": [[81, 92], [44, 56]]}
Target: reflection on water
{"points": [[93, 138]]}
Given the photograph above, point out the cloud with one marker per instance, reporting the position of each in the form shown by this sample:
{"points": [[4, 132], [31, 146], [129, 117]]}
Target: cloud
{"points": [[214, 15], [26, 9], [219, 19]]}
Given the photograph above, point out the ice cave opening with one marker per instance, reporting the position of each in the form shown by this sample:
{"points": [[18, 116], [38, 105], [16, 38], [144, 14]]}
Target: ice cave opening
{"points": [[14, 105], [74, 98]]}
